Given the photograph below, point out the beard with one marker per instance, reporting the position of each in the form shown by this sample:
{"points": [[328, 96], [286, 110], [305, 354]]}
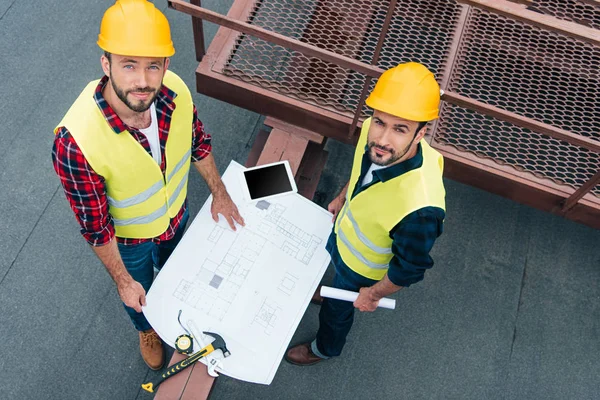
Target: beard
{"points": [[381, 160], [140, 106]]}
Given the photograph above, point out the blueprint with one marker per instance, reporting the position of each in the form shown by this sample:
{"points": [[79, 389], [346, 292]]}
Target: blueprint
{"points": [[251, 285]]}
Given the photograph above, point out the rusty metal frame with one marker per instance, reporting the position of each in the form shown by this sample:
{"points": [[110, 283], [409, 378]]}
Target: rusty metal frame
{"points": [[375, 72], [276, 38], [594, 3], [452, 54], [516, 12], [561, 200], [579, 193], [365, 88], [198, 28]]}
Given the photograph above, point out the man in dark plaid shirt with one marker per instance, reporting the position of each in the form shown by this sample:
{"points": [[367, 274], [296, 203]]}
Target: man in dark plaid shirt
{"points": [[387, 224], [133, 100]]}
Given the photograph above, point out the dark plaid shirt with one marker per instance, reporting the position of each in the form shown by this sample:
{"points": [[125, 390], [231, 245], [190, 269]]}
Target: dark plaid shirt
{"points": [[86, 190], [413, 237]]}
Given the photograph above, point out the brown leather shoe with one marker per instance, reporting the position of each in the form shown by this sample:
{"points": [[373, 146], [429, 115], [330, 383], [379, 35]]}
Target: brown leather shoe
{"points": [[302, 355], [316, 297], [152, 349]]}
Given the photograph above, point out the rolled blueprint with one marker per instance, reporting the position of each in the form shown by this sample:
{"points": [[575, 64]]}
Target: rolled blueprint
{"points": [[347, 295]]}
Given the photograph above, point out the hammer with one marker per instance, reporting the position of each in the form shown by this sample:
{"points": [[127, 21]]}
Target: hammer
{"points": [[217, 344]]}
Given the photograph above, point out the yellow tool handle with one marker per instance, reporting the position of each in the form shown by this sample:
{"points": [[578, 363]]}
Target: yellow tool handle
{"points": [[176, 368]]}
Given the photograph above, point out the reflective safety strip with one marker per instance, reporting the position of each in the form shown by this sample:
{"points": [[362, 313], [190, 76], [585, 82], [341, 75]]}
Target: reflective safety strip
{"points": [[365, 240], [178, 190], [138, 198], [357, 254], [152, 190], [185, 159], [146, 219], [341, 215]]}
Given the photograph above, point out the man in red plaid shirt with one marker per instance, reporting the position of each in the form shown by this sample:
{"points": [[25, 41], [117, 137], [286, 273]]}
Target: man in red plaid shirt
{"points": [[123, 153]]}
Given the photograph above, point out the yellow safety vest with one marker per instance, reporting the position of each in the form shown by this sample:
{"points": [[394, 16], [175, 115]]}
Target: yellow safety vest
{"points": [[141, 199], [364, 223]]}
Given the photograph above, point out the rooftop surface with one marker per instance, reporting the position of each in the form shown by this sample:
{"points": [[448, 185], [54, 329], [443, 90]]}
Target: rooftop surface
{"points": [[511, 309]]}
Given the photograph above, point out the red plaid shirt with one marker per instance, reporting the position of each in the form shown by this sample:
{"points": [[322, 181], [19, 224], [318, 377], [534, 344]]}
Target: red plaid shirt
{"points": [[86, 190]]}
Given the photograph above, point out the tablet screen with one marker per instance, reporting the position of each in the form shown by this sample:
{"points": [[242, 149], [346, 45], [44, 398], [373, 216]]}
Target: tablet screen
{"points": [[267, 181]]}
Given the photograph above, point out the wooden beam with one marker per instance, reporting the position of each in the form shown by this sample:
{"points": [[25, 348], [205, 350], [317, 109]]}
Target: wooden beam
{"points": [[516, 12], [305, 133], [282, 145]]}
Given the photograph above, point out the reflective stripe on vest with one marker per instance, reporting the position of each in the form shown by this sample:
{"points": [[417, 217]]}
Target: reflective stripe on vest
{"points": [[364, 239], [146, 219], [152, 190], [357, 254]]}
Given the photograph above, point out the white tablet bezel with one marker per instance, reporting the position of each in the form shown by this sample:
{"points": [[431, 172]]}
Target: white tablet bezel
{"points": [[244, 185]]}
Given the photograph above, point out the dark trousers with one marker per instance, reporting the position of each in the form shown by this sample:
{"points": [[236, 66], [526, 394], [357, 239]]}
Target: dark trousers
{"points": [[140, 260], [336, 316]]}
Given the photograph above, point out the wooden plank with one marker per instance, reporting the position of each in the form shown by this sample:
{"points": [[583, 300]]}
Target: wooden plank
{"points": [[518, 13], [199, 385], [305, 133], [282, 145], [310, 171], [172, 388], [257, 147]]}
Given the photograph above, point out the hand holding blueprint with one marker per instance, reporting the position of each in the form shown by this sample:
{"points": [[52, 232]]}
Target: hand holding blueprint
{"points": [[251, 286]]}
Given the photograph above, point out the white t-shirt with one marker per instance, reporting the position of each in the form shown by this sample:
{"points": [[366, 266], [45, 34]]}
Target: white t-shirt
{"points": [[369, 175], [151, 134]]}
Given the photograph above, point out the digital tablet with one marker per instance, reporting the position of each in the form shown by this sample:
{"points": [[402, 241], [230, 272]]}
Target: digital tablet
{"points": [[268, 181]]}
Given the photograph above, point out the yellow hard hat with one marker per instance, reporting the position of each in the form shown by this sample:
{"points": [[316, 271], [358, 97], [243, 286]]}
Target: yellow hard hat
{"points": [[408, 91], [135, 28]]}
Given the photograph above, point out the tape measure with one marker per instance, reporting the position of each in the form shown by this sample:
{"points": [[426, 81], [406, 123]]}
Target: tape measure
{"points": [[184, 344]]}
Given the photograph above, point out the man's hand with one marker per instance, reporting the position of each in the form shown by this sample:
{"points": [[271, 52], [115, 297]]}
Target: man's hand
{"points": [[366, 300], [222, 204], [133, 295], [336, 205]]}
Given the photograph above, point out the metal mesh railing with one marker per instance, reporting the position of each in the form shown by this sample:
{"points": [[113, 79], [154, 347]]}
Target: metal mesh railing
{"points": [[570, 10], [537, 74], [520, 68], [520, 148], [419, 31]]}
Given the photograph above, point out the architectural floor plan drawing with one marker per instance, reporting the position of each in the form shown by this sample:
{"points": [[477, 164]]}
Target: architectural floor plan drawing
{"points": [[267, 316], [218, 281], [251, 285], [288, 283]]}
